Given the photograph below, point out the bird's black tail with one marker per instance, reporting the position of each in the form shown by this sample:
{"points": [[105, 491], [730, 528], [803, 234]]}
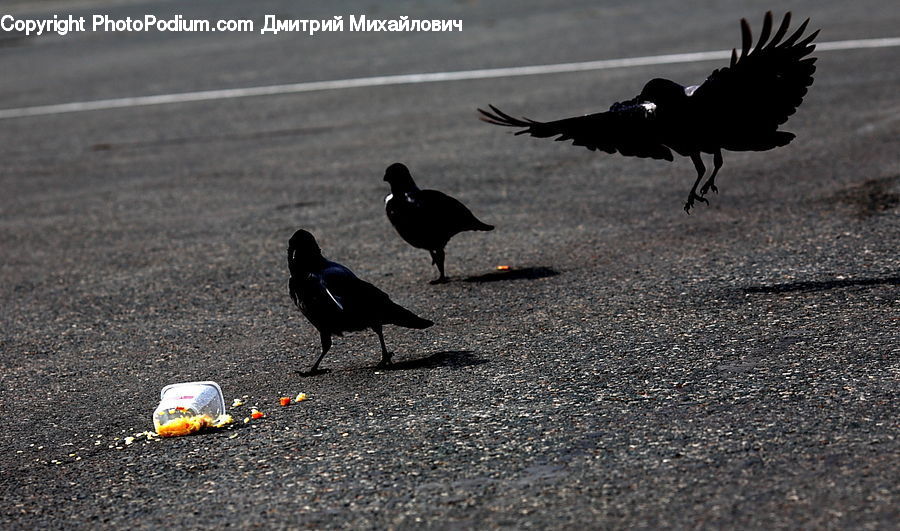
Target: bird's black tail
{"points": [[400, 316], [478, 225]]}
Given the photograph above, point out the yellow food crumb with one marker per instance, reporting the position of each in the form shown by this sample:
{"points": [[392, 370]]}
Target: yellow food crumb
{"points": [[183, 426], [300, 398], [237, 402], [222, 420]]}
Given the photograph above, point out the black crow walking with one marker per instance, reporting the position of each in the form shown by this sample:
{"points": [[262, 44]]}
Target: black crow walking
{"points": [[738, 108], [426, 219], [336, 301]]}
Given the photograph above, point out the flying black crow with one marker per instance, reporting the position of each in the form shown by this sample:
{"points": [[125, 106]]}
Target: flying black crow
{"points": [[336, 301], [738, 108], [426, 219]]}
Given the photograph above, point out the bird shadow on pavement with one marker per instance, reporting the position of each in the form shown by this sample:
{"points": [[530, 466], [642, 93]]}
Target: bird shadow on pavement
{"points": [[525, 273], [454, 359], [822, 285]]}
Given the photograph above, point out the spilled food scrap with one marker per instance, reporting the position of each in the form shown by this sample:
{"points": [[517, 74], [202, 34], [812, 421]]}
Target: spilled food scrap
{"points": [[182, 411], [192, 407], [187, 408], [186, 425]]}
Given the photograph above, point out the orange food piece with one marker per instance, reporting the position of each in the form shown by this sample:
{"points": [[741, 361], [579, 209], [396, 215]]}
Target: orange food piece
{"points": [[183, 426], [257, 415], [502, 268], [285, 400]]}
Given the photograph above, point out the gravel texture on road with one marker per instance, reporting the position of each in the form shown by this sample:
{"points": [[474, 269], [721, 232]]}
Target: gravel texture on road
{"points": [[635, 367]]}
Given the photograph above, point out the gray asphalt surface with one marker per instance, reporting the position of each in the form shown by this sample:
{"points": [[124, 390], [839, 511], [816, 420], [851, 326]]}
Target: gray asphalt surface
{"points": [[638, 367]]}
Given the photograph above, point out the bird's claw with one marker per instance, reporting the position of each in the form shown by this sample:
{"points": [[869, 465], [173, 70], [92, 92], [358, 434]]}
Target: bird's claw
{"points": [[441, 280], [707, 187], [314, 371], [690, 201], [386, 360]]}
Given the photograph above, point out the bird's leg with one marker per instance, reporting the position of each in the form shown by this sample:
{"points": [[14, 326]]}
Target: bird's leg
{"points": [[710, 183], [437, 258], [326, 344], [692, 196], [385, 355]]}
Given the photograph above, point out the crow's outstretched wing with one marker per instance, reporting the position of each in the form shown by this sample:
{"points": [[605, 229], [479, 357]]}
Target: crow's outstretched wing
{"points": [[631, 129], [762, 86]]}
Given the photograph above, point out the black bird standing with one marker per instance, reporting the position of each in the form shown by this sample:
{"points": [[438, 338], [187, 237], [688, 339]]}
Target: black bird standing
{"points": [[738, 108], [335, 301], [426, 219]]}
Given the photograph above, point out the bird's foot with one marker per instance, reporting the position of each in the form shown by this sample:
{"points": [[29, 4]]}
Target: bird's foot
{"points": [[315, 371], [440, 280], [385, 360], [707, 186], [690, 201]]}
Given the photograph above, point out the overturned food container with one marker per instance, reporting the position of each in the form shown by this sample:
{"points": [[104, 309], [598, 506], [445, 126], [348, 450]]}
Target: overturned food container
{"points": [[186, 408]]}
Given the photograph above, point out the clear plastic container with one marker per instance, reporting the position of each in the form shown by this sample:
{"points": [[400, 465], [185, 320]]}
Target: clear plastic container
{"points": [[189, 400]]}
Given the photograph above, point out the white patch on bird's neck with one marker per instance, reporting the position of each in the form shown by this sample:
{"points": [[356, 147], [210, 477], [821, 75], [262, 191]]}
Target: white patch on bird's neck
{"points": [[689, 91], [388, 198], [649, 107]]}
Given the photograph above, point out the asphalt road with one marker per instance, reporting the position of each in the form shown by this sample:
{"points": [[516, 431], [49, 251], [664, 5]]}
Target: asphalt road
{"points": [[638, 367]]}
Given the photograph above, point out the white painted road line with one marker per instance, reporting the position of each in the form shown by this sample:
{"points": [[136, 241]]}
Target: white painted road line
{"points": [[403, 79]]}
